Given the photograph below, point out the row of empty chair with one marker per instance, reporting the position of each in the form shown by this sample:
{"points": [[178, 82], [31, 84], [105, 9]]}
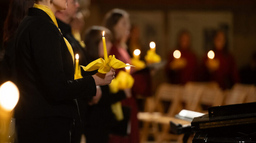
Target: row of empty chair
{"points": [[169, 99]]}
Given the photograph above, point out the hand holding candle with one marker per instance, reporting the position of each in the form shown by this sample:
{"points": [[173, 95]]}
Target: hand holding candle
{"points": [[104, 65]]}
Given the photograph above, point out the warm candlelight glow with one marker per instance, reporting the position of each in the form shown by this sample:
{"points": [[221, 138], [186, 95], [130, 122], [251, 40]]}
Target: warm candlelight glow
{"points": [[128, 68], [211, 54], [152, 45], [176, 54], [77, 56], [77, 68], [104, 46], [136, 53], [9, 96]]}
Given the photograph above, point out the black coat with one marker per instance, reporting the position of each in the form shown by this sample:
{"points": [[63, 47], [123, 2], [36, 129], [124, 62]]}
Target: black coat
{"points": [[44, 70], [100, 119], [78, 49]]}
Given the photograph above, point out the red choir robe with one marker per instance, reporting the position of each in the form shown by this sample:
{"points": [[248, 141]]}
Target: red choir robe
{"points": [[226, 75], [185, 74], [133, 137]]}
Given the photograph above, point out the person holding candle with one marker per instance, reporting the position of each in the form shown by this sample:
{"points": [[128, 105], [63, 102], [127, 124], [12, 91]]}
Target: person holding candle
{"points": [[226, 74], [118, 22], [181, 69], [44, 74], [100, 118], [70, 26]]}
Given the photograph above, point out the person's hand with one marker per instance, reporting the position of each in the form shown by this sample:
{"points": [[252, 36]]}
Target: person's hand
{"points": [[128, 92], [97, 97], [104, 79]]}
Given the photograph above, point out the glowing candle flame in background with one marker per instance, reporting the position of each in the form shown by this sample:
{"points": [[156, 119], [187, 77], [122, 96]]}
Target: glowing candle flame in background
{"points": [[211, 54], [176, 54], [136, 53], [9, 96], [152, 45], [128, 68]]}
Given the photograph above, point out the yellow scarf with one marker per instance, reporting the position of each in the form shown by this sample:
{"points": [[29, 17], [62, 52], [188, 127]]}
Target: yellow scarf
{"points": [[49, 12]]}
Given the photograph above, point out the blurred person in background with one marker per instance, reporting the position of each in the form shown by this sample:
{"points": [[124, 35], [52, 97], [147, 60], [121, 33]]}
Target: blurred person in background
{"points": [[182, 70], [17, 11], [100, 118], [118, 22], [134, 41], [222, 69]]}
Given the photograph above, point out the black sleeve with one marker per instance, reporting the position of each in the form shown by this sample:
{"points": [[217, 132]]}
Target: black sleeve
{"points": [[48, 49]]}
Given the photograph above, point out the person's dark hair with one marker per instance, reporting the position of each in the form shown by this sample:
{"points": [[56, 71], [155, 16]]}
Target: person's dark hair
{"points": [[180, 34], [93, 36], [17, 11], [225, 48], [112, 18]]}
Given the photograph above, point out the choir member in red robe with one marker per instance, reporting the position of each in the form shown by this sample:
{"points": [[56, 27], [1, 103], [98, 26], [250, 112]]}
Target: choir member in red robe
{"points": [[117, 21], [183, 69], [224, 71]]}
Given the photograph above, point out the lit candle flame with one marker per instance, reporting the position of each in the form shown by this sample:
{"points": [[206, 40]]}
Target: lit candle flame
{"points": [[211, 54], [176, 54], [128, 68], [152, 45], [136, 52], [77, 56], [9, 96], [104, 46]]}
